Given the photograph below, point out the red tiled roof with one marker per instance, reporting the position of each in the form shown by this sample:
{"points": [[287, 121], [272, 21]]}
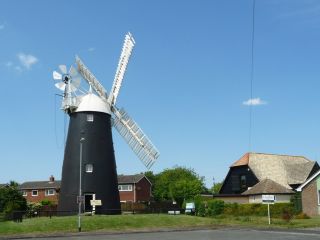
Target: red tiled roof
{"points": [[244, 160]]}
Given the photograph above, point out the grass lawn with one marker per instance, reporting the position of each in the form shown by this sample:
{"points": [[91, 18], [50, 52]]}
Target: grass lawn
{"points": [[45, 225]]}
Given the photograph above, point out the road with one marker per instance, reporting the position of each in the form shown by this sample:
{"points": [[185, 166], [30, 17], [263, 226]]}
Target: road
{"points": [[219, 234]]}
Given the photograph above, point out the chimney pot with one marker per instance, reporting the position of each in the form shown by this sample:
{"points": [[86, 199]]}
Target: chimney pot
{"points": [[51, 178]]}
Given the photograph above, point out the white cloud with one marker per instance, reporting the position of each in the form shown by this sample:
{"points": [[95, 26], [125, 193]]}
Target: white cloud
{"points": [[9, 64], [27, 60], [18, 68], [91, 49], [254, 102]]}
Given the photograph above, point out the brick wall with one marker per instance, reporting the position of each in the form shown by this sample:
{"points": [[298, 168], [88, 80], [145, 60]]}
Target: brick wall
{"points": [[41, 196], [233, 199], [143, 191], [127, 196], [310, 199]]}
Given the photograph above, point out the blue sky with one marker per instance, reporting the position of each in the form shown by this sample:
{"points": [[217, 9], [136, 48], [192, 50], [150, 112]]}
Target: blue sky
{"points": [[186, 84]]}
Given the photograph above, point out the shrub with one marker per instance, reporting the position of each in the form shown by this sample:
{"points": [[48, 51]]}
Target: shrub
{"points": [[201, 209], [215, 207], [287, 215], [302, 216], [231, 209], [46, 202]]}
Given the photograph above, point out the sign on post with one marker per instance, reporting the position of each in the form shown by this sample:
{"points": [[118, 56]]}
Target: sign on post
{"points": [[80, 199], [95, 202], [268, 199]]}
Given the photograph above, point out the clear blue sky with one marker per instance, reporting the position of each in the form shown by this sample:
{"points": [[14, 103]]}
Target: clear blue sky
{"points": [[186, 84]]}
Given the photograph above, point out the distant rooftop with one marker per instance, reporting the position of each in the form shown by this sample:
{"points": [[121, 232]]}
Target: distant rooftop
{"points": [[267, 186], [283, 169]]}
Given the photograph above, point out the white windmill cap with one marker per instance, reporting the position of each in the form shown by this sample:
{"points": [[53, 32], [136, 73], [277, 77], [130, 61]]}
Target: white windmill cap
{"points": [[92, 103]]}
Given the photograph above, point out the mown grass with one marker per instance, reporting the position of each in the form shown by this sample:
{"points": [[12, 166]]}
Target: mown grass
{"points": [[45, 225]]}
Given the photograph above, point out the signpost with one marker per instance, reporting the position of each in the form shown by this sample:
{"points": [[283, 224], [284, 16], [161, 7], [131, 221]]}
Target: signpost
{"points": [[268, 199], [95, 202]]}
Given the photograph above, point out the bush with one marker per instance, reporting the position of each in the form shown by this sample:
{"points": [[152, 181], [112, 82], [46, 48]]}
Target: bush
{"points": [[302, 216], [46, 202], [215, 207], [231, 209], [201, 209], [258, 209], [33, 209], [287, 215]]}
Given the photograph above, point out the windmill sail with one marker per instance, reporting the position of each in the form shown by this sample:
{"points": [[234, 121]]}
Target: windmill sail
{"points": [[91, 79], [135, 137], [121, 69]]}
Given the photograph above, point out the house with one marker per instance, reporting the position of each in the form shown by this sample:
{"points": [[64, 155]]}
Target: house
{"points": [[41, 190], [132, 188], [310, 195], [255, 174], [268, 187]]}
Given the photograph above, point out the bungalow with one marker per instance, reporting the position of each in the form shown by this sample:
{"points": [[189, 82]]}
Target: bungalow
{"points": [[310, 195], [255, 174]]}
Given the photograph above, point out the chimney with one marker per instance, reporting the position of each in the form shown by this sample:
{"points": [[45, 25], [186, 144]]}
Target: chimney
{"points": [[51, 179]]}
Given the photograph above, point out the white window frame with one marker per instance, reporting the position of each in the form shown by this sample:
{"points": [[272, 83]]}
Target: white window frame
{"points": [[24, 193], [47, 193], [89, 168], [122, 188], [34, 195], [90, 118]]}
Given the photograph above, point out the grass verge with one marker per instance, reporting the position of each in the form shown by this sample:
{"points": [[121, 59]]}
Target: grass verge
{"points": [[141, 222]]}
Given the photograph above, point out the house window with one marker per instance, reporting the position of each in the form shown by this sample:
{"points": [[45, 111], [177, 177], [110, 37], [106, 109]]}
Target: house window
{"points": [[50, 192], [235, 183], [89, 117], [125, 187], [34, 193], [89, 168], [24, 193], [243, 182]]}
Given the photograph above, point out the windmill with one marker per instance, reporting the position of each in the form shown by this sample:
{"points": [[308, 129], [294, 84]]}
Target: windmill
{"points": [[89, 145]]}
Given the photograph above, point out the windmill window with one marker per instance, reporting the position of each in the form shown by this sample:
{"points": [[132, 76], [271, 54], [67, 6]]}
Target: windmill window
{"points": [[34, 193], [90, 118], [89, 168]]}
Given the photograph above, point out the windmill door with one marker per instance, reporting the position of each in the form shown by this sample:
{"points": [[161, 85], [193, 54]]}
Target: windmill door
{"points": [[87, 198]]}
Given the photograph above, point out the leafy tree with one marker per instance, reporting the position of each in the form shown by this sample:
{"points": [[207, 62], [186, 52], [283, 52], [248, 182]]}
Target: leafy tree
{"points": [[216, 188], [178, 184], [152, 178], [11, 199]]}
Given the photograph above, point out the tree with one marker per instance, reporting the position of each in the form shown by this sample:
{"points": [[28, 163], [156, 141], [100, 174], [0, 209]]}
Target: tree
{"points": [[11, 199], [216, 188], [178, 184], [152, 178]]}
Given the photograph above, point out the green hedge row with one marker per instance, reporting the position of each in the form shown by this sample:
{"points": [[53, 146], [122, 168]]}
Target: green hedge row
{"points": [[218, 207]]}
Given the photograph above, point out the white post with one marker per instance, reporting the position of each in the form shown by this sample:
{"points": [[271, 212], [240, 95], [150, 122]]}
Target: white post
{"points": [[269, 214], [94, 205]]}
